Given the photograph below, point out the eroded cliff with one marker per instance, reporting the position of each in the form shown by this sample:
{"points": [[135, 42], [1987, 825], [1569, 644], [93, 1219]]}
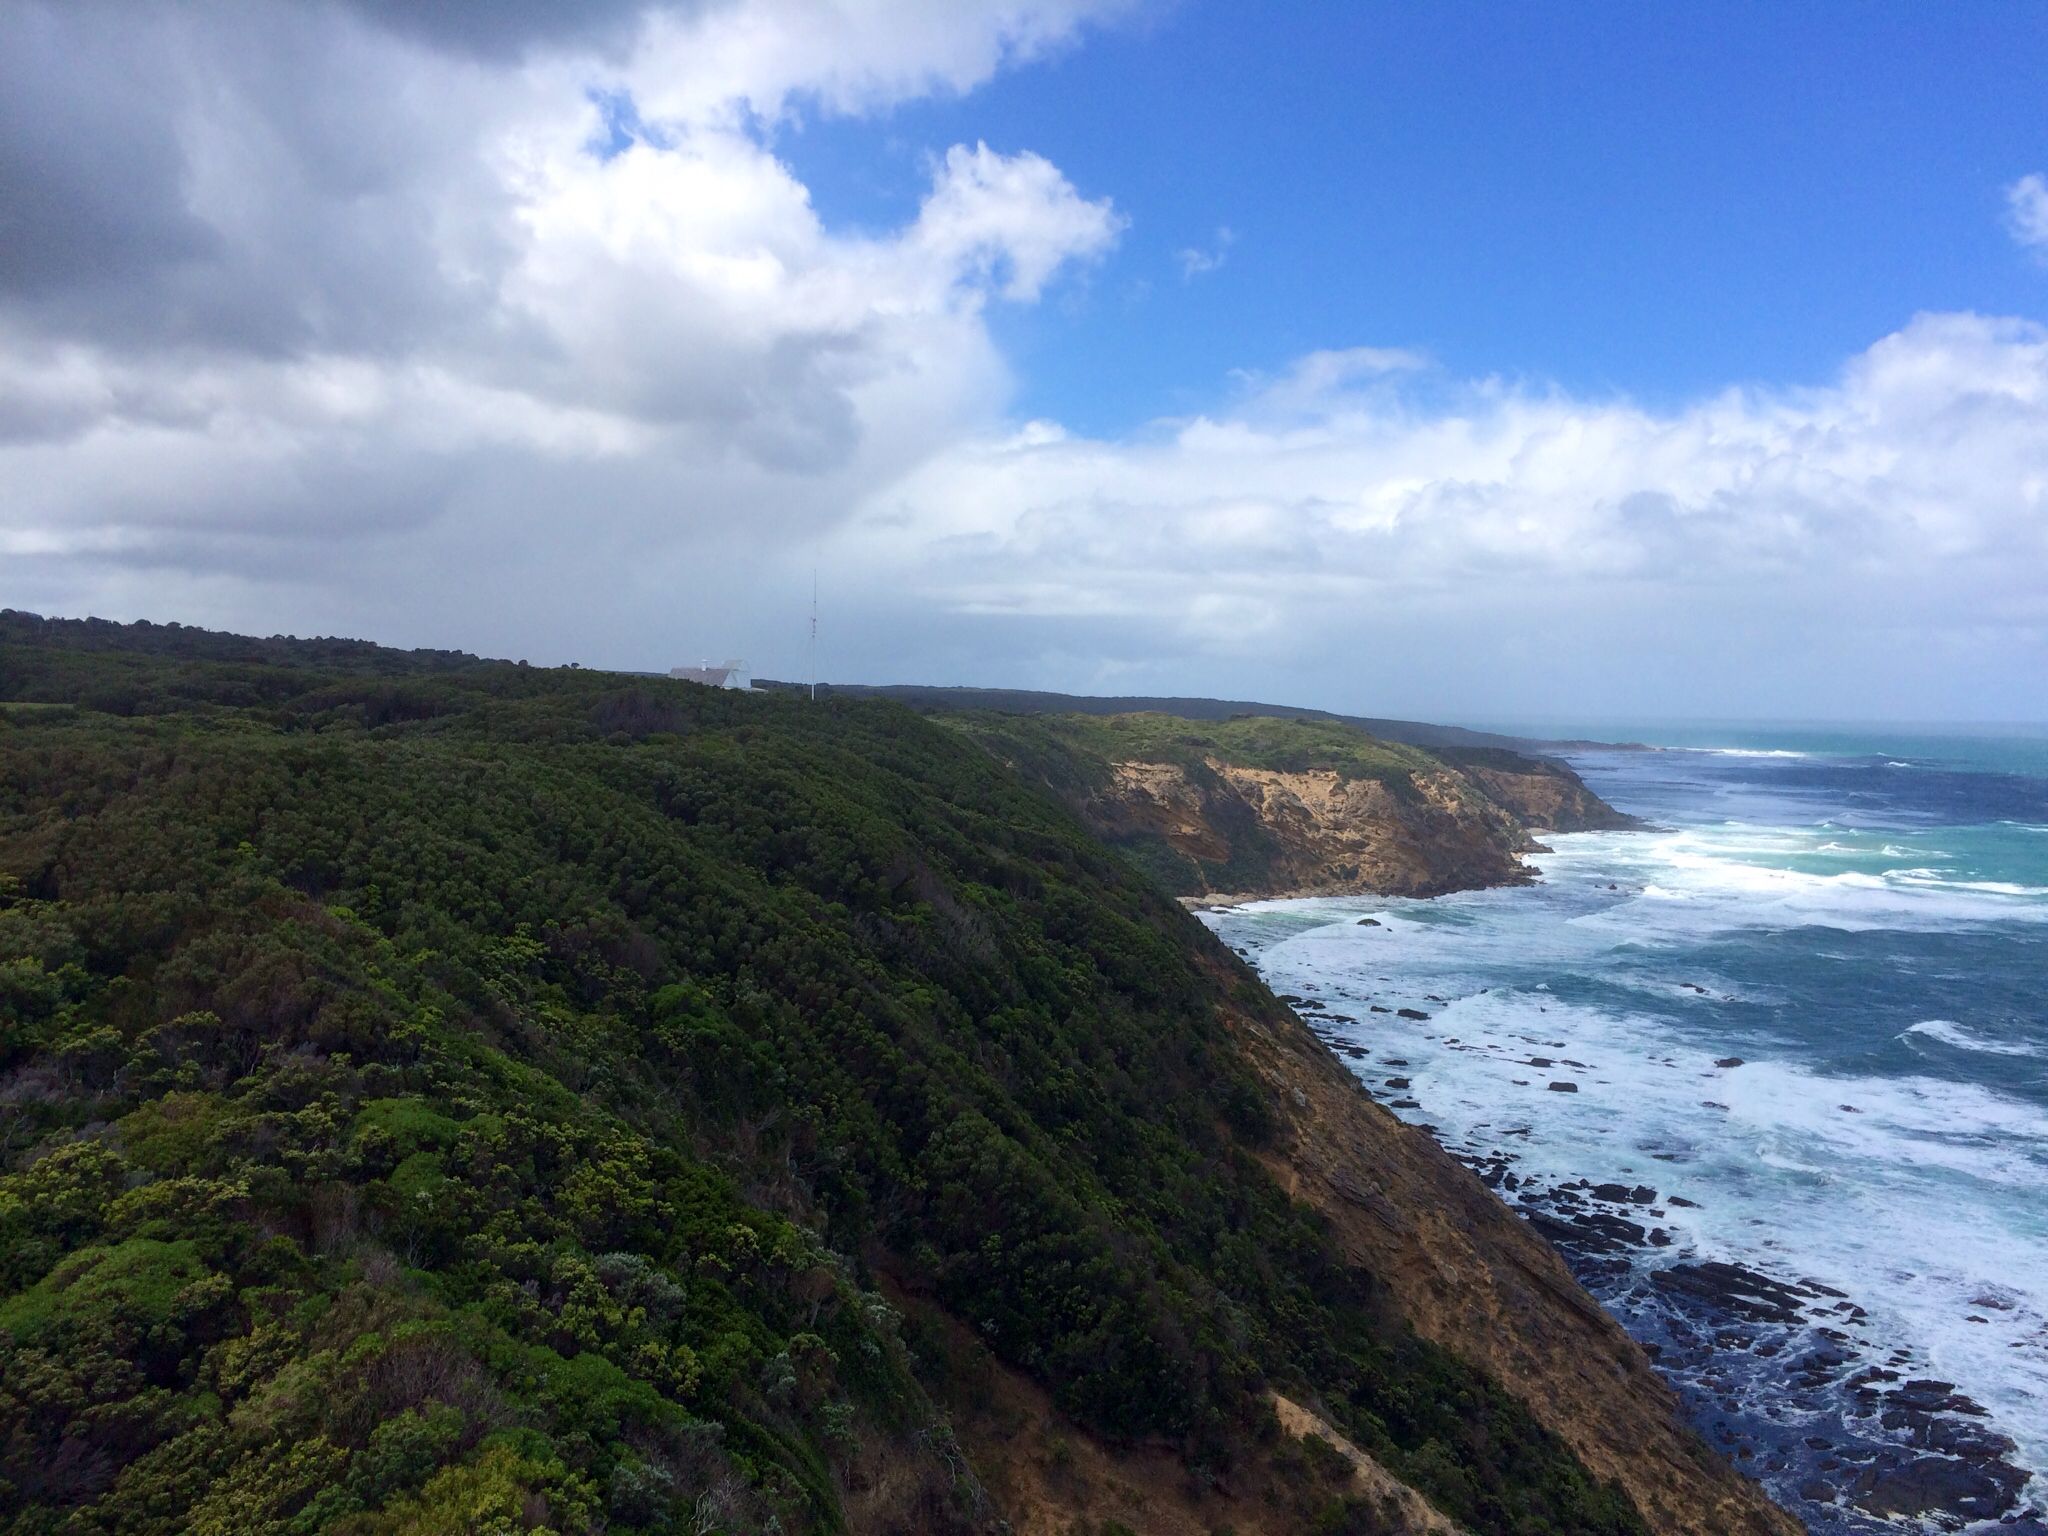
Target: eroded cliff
{"points": [[1270, 807]]}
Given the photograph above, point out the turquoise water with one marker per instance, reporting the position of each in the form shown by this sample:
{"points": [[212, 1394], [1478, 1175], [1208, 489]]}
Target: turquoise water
{"points": [[1862, 918]]}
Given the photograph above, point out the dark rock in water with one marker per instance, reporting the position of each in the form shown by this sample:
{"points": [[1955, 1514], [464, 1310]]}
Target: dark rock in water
{"points": [[1922, 1392], [1818, 1489], [1691, 1205], [1397, 1082], [1376, 1008], [1617, 1193], [1953, 1437], [1731, 1290], [1659, 1238], [1370, 922], [1564, 1087], [1729, 1061], [1289, 999], [1936, 1484], [1405, 1104], [1395, 1061], [1642, 1194], [1540, 1061], [1411, 1013], [1582, 1234]]}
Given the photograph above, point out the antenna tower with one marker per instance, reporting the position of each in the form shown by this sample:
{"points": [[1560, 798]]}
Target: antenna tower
{"points": [[814, 633]]}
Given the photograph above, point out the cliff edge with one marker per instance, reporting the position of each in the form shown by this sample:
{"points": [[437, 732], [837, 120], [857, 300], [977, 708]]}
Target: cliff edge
{"points": [[1262, 807]]}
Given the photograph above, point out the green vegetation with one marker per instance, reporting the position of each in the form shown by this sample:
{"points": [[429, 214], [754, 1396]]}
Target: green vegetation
{"points": [[449, 1096], [1251, 741]]}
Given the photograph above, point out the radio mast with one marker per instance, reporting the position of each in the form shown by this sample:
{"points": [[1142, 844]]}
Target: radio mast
{"points": [[814, 632]]}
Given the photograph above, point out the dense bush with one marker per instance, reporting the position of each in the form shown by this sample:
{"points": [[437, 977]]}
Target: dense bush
{"points": [[440, 1095]]}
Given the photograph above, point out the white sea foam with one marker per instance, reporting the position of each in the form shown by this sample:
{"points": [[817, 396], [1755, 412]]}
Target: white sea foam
{"points": [[1963, 1038], [1736, 876], [1745, 752], [1917, 1195]]}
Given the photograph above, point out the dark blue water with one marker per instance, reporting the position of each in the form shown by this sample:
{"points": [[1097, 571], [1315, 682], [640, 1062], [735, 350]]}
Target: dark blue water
{"points": [[1862, 919]]}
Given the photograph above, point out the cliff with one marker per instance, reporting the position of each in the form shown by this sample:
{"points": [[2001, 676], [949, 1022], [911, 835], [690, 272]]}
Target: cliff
{"points": [[449, 1095], [1267, 807]]}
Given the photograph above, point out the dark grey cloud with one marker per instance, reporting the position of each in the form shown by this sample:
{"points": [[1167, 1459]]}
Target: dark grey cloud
{"points": [[506, 30], [91, 169]]}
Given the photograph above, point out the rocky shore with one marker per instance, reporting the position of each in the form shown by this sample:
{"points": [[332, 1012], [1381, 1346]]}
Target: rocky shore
{"points": [[1787, 1376]]}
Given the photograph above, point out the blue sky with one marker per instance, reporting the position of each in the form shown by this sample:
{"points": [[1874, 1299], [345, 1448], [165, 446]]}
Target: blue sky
{"points": [[1570, 361], [1657, 200]]}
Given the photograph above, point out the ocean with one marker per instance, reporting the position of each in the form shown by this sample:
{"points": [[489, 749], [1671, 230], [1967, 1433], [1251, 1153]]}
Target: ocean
{"points": [[1774, 1075]]}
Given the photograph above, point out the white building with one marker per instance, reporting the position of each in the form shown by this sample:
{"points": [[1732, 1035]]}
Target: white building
{"points": [[733, 674]]}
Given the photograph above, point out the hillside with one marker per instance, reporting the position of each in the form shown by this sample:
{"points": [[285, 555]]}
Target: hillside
{"points": [[1028, 701], [1263, 806], [440, 1095]]}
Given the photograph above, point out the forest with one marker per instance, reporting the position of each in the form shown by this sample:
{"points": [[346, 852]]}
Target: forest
{"points": [[448, 1095]]}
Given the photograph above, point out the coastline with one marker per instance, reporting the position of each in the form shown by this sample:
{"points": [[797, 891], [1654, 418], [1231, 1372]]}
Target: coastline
{"points": [[1342, 890], [1796, 1380]]}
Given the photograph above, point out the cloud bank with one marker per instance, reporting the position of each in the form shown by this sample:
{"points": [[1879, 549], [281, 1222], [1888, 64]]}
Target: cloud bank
{"points": [[506, 326], [1360, 513]]}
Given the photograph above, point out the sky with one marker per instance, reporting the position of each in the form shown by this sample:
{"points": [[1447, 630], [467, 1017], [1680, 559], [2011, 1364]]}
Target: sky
{"points": [[1458, 361]]}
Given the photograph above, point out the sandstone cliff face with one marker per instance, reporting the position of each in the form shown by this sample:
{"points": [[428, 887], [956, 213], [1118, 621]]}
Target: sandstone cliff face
{"points": [[1259, 831], [1264, 806], [1243, 831], [1541, 794]]}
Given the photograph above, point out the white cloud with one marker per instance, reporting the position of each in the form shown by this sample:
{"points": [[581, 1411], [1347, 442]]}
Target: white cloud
{"points": [[1014, 218], [762, 56], [326, 318], [1315, 521], [2026, 213], [368, 309], [1197, 262]]}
